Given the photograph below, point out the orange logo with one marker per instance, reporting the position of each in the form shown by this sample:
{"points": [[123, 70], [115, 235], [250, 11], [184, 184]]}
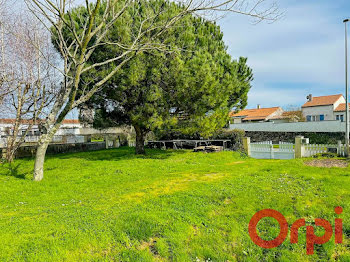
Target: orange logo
{"points": [[311, 238]]}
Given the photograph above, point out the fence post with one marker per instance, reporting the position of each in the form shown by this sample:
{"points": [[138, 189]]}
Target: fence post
{"points": [[116, 143], [106, 141], [246, 145], [271, 151], [87, 138], [339, 152], [299, 147]]}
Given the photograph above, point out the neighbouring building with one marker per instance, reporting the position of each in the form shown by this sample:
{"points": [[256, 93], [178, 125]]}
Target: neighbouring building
{"points": [[68, 127], [256, 115], [323, 108], [288, 117]]}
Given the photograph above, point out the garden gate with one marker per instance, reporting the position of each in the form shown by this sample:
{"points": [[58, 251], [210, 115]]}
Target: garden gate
{"points": [[267, 150]]}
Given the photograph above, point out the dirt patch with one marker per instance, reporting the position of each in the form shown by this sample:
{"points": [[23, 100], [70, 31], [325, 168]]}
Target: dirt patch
{"points": [[327, 163], [235, 163]]}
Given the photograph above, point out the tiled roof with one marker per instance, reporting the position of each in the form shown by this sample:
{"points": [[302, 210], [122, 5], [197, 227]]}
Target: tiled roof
{"points": [[341, 107], [25, 121], [255, 114], [71, 121], [322, 100], [287, 115]]}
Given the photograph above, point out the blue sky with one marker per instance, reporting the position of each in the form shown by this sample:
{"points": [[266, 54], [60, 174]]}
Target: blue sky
{"points": [[300, 54]]}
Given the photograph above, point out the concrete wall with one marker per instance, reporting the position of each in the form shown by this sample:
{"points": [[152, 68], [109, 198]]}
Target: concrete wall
{"points": [[321, 126], [112, 130]]}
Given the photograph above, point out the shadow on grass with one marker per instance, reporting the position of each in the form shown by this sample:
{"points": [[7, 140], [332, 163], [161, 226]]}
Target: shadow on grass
{"points": [[12, 170], [122, 153]]}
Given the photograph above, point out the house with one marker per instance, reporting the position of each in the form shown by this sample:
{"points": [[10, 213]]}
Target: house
{"points": [[288, 117], [339, 112], [255, 115], [68, 127], [322, 108]]}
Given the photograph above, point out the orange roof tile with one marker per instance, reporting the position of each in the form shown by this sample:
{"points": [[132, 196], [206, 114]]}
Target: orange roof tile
{"points": [[255, 114], [341, 107], [322, 100], [71, 121], [27, 121], [287, 115]]}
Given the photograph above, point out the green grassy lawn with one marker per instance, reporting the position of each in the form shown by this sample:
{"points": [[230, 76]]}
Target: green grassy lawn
{"points": [[166, 206]]}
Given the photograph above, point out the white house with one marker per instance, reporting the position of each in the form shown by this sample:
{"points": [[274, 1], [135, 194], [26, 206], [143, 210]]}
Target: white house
{"points": [[323, 108], [68, 127]]}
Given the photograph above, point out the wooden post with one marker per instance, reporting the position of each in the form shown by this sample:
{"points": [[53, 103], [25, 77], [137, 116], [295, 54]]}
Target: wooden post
{"points": [[246, 145], [299, 147]]}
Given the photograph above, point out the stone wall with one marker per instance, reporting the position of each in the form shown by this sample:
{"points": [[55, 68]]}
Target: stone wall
{"points": [[29, 151]]}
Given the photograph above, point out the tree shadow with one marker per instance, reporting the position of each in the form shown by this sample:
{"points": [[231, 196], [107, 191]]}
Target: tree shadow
{"points": [[12, 170], [122, 153]]}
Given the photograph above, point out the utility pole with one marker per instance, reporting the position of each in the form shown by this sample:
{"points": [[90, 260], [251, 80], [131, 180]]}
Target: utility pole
{"points": [[346, 91]]}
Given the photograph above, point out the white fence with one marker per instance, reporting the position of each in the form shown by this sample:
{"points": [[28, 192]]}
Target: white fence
{"points": [[314, 149], [56, 139], [266, 150], [75, 139], [283, 150]]}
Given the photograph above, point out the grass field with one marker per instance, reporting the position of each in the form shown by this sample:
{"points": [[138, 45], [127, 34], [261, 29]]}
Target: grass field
{"points": [[166, 206]]}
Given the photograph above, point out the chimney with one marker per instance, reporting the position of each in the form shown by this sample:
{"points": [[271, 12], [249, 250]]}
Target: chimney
{"points": [[258, 107], [309, 97]]}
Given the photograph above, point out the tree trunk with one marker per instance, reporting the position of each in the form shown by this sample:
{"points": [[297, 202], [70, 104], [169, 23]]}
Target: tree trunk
{"points": [[140, 140], [9, 149], [39, 161]]}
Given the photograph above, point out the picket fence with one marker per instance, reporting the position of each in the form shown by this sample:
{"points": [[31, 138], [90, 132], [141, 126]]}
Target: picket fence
{"points": [[284, 150], [266, 150], [314, 149]]}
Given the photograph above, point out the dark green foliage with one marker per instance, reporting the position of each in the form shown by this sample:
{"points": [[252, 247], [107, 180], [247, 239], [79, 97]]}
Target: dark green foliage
{"points": [[235, 136], [326, 155], [189, 88]]}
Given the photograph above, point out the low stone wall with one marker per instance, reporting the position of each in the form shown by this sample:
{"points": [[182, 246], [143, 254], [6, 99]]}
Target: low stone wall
{"points": [[315, 138], [29, 151]]}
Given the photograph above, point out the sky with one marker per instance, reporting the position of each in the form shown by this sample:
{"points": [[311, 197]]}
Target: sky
{"points": [[300, 54]]}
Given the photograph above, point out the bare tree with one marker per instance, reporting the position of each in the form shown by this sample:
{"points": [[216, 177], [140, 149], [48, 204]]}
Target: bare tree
{"points": [[28, 57], [3, 76], [101, 16]]}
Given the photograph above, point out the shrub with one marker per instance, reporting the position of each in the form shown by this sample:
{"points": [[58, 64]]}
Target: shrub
{"points": [[235, 136], [325, 155]]}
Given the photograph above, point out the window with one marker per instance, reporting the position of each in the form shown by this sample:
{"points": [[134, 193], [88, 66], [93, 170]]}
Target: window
{"points": [[339, 117], [315, 118]]}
